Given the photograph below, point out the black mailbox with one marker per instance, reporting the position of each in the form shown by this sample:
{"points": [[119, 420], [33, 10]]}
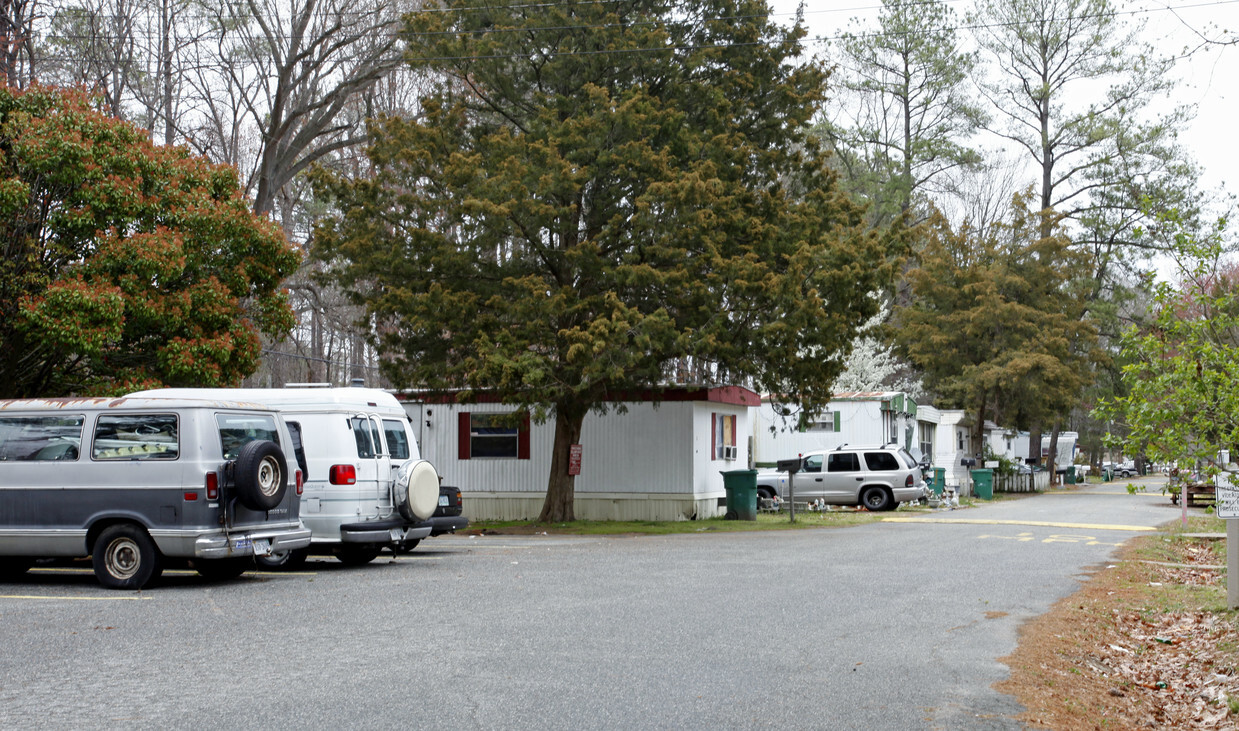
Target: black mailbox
{"points": [[968, 462], [789, 465]]}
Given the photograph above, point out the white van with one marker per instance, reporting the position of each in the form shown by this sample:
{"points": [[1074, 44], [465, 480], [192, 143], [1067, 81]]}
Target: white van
{"points": [[366, 486], [130, 482]]}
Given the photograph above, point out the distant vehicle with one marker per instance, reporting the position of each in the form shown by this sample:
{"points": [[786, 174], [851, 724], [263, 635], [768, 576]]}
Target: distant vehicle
{"points": [[877, 477], [133, 481], [367, 487], [1124, 470]]}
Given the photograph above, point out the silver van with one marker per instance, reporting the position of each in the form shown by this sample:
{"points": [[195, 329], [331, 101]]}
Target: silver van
{"points": [[367, 488], [132, 481]]}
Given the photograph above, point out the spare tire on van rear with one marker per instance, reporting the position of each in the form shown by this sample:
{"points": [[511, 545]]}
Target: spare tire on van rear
{"points": [[416, 490], [261, 475]]}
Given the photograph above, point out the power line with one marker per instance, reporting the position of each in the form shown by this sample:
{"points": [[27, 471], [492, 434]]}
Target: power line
{"points": [[150, 36]]}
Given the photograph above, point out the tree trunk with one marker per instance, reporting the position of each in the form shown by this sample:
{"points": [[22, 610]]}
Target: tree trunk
{"points": [[559, 506], [978, 437], [1034, 444]]}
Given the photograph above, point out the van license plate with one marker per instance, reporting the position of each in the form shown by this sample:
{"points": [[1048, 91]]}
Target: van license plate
{"points": [[443, 500], [241, 544], [262, 547]]}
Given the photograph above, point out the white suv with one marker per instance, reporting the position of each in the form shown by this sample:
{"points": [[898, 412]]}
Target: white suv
{"points": [[877, 477]]}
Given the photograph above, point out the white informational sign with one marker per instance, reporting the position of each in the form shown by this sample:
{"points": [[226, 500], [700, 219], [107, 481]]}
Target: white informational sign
{"points": [[991, 465], [1227, 502]]}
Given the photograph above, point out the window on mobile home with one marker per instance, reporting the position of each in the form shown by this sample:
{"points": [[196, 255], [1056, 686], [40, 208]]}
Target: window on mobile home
{"points": [[492, 435]]}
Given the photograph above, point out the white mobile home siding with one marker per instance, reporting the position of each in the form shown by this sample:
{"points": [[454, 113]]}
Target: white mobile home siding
{"points": [[649, 463], [870, 418]]}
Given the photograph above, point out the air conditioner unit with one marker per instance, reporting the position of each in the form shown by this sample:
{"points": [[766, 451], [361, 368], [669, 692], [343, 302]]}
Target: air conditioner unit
{"points": [[729, 452]]}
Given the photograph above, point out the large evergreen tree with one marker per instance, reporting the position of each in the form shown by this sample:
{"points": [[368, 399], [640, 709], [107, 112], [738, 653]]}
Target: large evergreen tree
{"points": [[597, 192], [995, 323]]}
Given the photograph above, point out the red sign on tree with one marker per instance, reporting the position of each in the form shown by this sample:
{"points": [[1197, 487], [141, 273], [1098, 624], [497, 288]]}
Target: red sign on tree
{"points": [[574, 459]]}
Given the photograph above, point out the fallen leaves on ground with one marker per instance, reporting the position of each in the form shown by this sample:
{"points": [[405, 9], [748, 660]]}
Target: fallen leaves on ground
{"points": [[1107, 657]]}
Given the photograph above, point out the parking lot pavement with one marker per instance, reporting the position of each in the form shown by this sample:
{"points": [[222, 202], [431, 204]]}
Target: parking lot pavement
{"points": [[885, 625]]}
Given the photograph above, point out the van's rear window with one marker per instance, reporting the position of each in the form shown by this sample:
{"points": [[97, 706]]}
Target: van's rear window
{"points": [[237, 430], [40, 437], [136, 436], [397, 438]]}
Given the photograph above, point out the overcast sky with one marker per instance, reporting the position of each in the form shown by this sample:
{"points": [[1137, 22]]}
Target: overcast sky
{"points": [[1209, 77]]}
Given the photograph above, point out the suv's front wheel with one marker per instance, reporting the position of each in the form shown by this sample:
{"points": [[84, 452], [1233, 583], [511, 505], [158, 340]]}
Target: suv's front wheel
{"points": [[877, 498]]}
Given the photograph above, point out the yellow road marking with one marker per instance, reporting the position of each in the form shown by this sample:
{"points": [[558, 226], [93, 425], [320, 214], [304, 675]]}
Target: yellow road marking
{"points": [[1039, 523], [170, 572], [78, 598]]}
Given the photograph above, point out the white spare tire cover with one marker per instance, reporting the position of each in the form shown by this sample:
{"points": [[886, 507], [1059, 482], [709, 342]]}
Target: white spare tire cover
{"points": [[417, 489]]}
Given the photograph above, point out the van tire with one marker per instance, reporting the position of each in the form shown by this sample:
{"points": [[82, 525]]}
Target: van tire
{"points": [[261, 475], [357, 555], [283, 560], [416, 490], [11, 567], [407, 546], [125, 557], [222, 569]]}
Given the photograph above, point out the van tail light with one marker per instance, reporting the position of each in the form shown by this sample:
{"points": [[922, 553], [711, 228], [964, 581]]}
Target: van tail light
{"points": [[300, 482], [343, 474], [458, 500], [212, 486], [908, 482]]}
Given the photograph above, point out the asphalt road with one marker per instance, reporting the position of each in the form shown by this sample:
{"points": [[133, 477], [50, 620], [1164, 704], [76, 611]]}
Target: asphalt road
{"points": [[890, 625]]}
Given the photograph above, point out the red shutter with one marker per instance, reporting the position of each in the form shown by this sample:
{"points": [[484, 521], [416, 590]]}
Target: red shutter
{"points": [[713, 436], [732, 419], [463, 433], [522, 438]]}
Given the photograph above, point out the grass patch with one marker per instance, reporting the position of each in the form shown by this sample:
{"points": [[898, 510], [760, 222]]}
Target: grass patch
{"points": [[765, 521]]}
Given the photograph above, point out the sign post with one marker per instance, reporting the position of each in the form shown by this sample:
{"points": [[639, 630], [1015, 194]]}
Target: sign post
{"points": [[1227, 505], [791, 467]]}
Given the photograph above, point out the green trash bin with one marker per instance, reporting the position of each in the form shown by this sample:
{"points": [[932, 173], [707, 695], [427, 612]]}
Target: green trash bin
{"points": [[939, 483], [983, 484], [741, 487], [1070, 478]]}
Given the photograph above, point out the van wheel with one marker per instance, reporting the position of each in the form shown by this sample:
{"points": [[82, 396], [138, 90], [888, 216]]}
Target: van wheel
{"points": [[261, 475], [12, 567], [876, 499], [356, 555], [283, 560], [218, 569], [125, 557]]}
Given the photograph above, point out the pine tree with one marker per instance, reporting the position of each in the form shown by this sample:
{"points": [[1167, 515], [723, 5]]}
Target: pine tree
{"points": [[597, 192]]}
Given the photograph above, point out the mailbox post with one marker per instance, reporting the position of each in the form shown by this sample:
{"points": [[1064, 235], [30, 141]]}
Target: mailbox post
{"points": [[791, 467]]}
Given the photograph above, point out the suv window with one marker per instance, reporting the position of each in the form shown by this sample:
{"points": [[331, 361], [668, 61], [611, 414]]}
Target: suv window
{"points": [[843, 462], [813, 463], [40, 437], [237, 430], [397, 438], [881, 461], [136, 436]]}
